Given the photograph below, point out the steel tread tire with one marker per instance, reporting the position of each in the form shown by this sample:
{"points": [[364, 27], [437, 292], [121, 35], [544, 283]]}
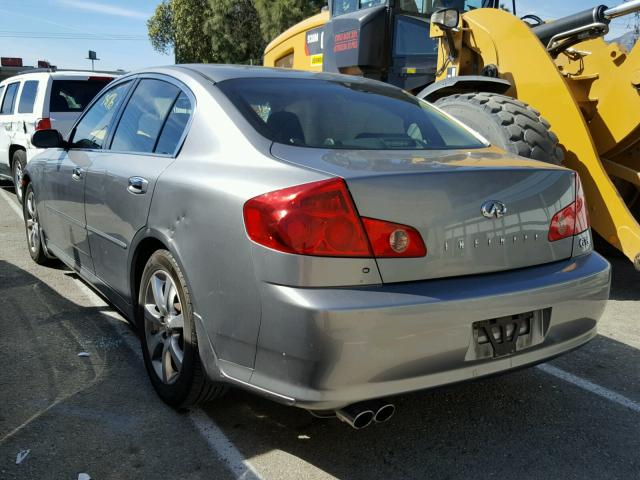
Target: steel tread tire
{"points": [[507, 123], [194, 386]]}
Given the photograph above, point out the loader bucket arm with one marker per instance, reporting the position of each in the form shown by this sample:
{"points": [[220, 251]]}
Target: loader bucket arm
{"points": [[491, 36]]}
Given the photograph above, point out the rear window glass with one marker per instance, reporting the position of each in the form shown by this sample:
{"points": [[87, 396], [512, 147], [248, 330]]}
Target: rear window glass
{"points": [[28, 96], [74, 95], [344, 115], [9, 99]]}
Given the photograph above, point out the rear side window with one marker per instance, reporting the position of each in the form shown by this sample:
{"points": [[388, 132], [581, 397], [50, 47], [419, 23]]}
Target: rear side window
{"points": [[9, 99], [93, 129], [1, 92], [144, 116], [74, 95], [28, 96], [174, 126], [344, 115]]}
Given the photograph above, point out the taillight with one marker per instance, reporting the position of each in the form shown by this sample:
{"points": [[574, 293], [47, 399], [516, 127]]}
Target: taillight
{"points": [[43, 124], [582, 213], [571, 220], [320, 219], [393, 240]]}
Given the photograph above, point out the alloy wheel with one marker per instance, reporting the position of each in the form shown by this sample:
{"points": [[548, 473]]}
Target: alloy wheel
{"points": [[33, 227], [164, 326], [17, 179]]}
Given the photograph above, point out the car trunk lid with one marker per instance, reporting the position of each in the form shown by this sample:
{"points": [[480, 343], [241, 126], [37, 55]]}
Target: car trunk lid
{"points": [[442, 195]]}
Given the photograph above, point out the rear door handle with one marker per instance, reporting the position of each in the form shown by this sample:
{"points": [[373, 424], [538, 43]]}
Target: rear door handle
{"points": [[77, 173], [137, 185]]}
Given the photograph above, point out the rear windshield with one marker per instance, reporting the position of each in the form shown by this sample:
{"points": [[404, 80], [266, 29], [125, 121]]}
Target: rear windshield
{"points": [[343, 115], [74, 95]]}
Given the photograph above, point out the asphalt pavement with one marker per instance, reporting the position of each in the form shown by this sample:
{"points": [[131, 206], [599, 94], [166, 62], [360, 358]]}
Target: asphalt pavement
{"points": [[64, 415]]}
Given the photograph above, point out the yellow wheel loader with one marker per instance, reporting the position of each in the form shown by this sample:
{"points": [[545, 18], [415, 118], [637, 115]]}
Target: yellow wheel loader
{"points": [[554, 91]]}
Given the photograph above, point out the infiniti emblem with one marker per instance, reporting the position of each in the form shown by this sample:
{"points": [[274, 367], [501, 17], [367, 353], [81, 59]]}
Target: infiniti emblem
{"points": [[493, 209]]}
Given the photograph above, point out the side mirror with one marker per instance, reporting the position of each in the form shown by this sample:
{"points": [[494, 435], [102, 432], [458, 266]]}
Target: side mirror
{"points": [[446, 19], [48, 139]]}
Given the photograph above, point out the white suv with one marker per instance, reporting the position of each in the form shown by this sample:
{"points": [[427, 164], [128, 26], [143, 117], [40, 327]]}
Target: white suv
{"points": [[37, 101]]}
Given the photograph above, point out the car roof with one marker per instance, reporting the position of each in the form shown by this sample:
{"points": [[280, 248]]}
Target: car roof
{"points": [[220, 72]]}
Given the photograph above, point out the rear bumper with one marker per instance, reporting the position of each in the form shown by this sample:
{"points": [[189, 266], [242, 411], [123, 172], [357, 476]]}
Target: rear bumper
{"points": [[324, 348]]}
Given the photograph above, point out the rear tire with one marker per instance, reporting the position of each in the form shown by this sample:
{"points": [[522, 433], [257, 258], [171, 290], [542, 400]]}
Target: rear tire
{"points": [[168, 336], [18, 163], [507, 123]]}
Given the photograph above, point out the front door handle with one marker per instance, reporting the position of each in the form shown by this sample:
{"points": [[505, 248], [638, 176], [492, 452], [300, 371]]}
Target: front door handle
{"points": [[137, 185], [77, 173]]}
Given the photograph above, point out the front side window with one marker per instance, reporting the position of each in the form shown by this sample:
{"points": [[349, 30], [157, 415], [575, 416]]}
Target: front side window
{"points": [[144, 116], [9, 99], [344, 115], [92, 131], [74, 95], [28, 96]]}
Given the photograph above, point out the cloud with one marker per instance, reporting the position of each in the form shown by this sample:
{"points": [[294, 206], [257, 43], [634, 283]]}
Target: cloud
{"points": [[106, 9]]}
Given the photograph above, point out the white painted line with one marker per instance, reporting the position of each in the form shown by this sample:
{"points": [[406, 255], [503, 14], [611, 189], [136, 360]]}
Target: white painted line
{"points": [[10, 199], [218, 442], [227, 452], [590, 387]]}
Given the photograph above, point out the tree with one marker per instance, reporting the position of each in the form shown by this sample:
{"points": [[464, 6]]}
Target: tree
{"points": [[278, 15], [181, 25], [234, 29], [228, 31]]}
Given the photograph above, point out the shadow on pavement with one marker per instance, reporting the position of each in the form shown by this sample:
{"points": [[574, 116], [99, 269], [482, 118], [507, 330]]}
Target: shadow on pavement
{"points": [[96, 414]]}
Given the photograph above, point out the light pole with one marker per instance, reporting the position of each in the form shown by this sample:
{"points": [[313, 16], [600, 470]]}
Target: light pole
{"points": [[93, 57]]}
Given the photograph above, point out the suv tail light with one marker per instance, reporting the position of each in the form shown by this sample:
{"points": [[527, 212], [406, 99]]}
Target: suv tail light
{"points": [[43, 124], [571, 220], [320, 219]]}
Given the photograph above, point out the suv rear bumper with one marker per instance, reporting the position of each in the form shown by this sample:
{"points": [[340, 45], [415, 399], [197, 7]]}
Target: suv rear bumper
{"points": [[324, 348]]}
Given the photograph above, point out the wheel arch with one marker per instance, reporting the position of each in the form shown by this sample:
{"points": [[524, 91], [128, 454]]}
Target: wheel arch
{"points": [[144, 245], [464, 84], [13, 148]]}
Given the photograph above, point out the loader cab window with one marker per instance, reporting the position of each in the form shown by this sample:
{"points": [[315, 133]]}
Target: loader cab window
{"points": [[427, 7], [340, 7]]}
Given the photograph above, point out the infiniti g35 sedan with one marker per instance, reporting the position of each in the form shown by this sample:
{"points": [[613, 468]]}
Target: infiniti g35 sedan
{"points": [[325, 241]]}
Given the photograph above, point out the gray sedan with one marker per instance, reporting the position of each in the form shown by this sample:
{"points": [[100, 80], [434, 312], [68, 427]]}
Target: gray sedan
{"points": [[322, 240]]}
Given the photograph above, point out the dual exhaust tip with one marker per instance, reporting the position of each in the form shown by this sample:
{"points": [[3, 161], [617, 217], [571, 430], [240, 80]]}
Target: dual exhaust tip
{"points": [[361, 415]]}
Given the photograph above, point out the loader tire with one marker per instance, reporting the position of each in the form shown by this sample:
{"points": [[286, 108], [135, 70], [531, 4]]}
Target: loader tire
{"points": [[507, 123]]}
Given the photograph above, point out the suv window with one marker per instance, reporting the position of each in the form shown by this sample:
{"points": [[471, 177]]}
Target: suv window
{"points": [[74, 95], [28, 96], [174, 126], [144, 116], [9, 99], [93, 129]]}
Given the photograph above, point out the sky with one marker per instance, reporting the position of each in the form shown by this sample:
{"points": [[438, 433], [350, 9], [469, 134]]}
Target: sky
{"points": [[79, 26], [117, 30]]}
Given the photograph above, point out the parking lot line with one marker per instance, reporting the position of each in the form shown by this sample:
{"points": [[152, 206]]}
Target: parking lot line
{"points": [[207, 428], [11, 201], [590, 387]]}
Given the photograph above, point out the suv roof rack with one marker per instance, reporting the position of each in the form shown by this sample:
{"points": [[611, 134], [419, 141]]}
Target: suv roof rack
{"points": [[56, 69]]}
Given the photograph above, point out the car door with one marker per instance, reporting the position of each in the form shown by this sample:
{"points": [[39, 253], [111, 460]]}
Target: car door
{"points": [[120, 182], [65, 176], [6, 125]]}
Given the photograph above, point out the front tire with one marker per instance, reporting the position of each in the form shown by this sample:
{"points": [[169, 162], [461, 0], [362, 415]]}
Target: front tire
{"points": [[33, 227], [18, 163], [507, 123], [168, 335]]}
